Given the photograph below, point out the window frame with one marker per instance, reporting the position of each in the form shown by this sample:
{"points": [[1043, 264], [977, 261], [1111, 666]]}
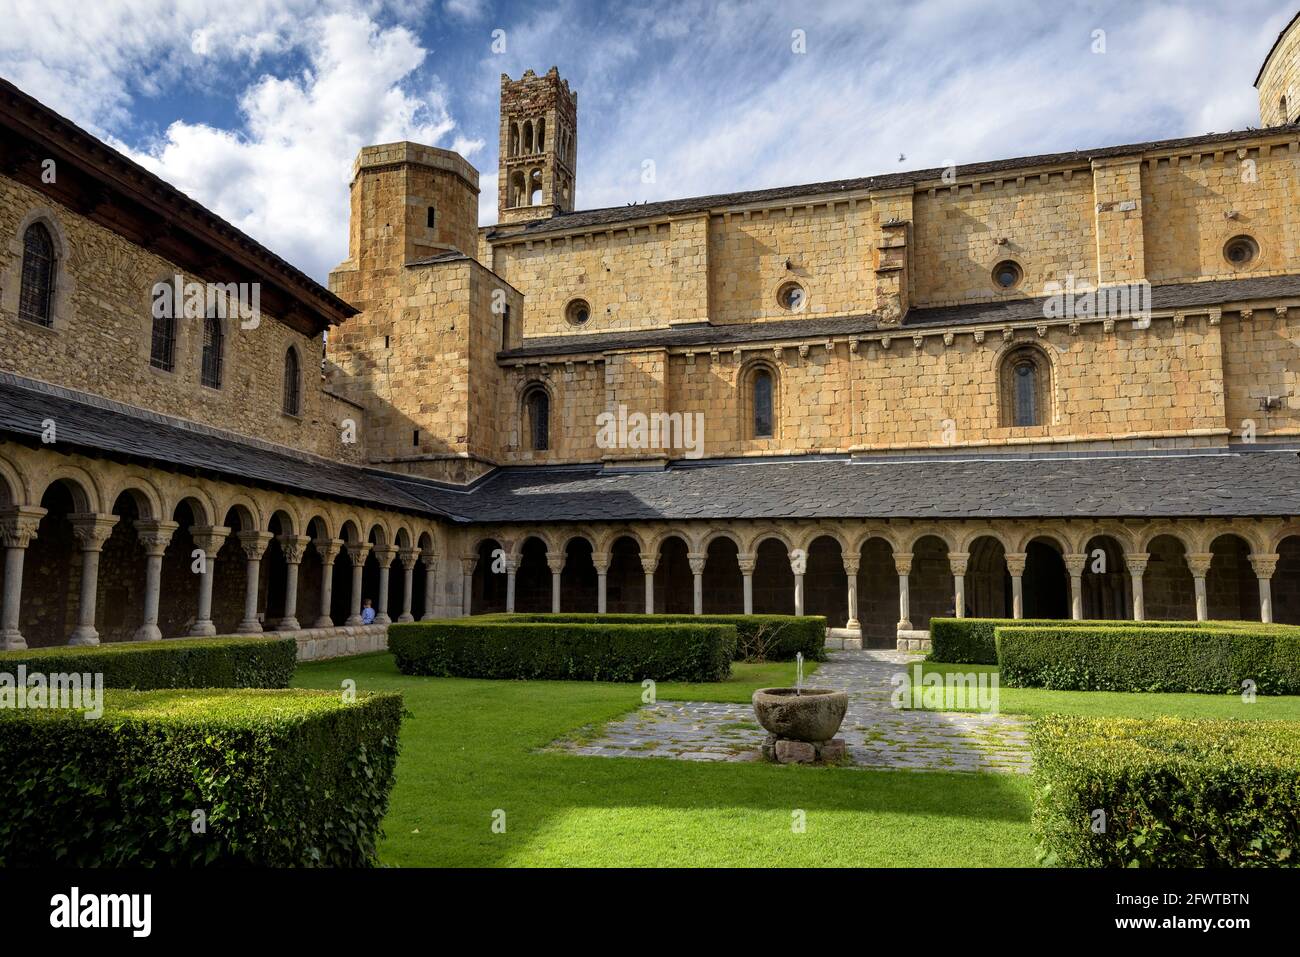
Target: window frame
{"points": [[215, 323], [45, 317]]}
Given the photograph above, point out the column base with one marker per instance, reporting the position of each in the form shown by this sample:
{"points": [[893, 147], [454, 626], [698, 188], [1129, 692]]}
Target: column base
{"points": [[147, 633], [12, 641], [429, 617], [83, 635], [203, 629], [904, 625], [405, 618], [383, 619], [353, 621], [288, 624], [324, 621], [249, 626]]}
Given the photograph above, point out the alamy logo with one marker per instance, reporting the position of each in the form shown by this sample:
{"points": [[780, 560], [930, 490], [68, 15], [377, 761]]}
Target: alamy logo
{"points": [[945, 691], [38, 691], [179, 299], [74, 909], [657, 430], [1082, 300]]}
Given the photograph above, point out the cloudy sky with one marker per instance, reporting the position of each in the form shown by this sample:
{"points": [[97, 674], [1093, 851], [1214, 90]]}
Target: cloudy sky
{"points": [[257, 107]]}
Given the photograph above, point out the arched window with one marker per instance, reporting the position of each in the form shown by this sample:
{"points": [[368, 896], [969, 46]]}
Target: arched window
{"points": [[1025, 388], [214, 345], [764, 418], [36, 299], [537, 406], [162, 345], [516, 197], [541, 135], [292, 383], [535, 188], [528, 136]]}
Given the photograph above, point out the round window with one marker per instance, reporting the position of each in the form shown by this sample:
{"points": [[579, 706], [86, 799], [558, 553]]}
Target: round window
{"points": [[792, 297], [1007, 274], [1240, 251], [577, 312]]}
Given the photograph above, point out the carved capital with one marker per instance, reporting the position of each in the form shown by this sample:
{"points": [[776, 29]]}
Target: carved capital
{"points": [[154, 536], [697, 561], [747, 562], [1199, 563], [555, 563], [328, 549], [254, 544], [357, 553], [18, 525], [92, 530], [601, 562], [1075, 563], [1016, 563], [209, 538], [408, 557], [384, 555], [957, 562], [293, 547], [851, 567], [1137, 562], [1264, 564], [903, 563], [468, 563], [649, 563]]}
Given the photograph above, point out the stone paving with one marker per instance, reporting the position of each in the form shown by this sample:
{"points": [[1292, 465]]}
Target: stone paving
{"points": [[877, 735]]}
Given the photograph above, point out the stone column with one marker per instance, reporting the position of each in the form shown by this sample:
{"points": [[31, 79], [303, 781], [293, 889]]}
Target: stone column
{"points": [[556, 564], [357, 554], [1074, 564], [798, 565], [408, 557], [748, 561], [467, 565], [328, 549], [293, 547], [511, 566], [851, 572], [1137, 566], [254, 546], [208, 540], [1016, 568], [903, 565], [957, 561], [1199, 563], [92, 531], [154, 538], [384, 555], [18, 526], [697, 561], [1265, 565], [648, 565], [430, 582], [602, 570]]}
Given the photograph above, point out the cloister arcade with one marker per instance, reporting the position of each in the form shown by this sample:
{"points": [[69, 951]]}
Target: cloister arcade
{"points": [[96, 550]]}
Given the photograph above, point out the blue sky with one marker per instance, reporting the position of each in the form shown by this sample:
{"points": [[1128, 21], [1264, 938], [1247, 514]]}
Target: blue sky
{"points": [[257, 107]]}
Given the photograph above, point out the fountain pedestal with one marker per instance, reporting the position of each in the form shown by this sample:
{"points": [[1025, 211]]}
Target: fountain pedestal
{"points": [[801, 724], [788, 751]]}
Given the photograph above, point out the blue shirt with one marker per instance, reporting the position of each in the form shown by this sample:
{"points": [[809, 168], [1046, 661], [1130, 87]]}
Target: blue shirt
{"points": [[367, 616]]}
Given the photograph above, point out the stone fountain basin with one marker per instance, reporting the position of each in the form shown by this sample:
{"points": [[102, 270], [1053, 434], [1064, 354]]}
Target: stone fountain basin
{"points": [[813, 715]]}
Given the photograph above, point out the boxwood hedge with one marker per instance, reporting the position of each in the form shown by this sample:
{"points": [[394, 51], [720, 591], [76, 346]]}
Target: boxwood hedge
{"points": [[269, 778], [1173, 658], [172, 663], [758, 637], [479, 648], [1112, 792], [970, 640]]}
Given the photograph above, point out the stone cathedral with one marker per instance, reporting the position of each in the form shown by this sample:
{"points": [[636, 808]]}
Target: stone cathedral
{"points": [[1052, 386]]}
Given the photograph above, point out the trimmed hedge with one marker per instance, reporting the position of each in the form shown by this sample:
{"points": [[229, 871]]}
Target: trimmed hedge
{"points": [[969, 641], [477, 648], [172, 663], [1120, 658], [758, 637], [1174, 793], [284, 778]]}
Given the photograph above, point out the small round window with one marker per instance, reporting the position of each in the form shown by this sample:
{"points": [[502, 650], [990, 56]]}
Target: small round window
{"points": [[791, 297], [577, 312], [1240, 251], [1007, 274]]}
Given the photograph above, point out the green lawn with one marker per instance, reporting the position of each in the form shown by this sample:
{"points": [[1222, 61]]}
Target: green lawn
{"points": [[1104, 704], [468, 749]]}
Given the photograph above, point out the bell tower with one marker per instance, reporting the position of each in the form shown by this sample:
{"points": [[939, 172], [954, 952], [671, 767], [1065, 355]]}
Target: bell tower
{"points": [[539, 147]]}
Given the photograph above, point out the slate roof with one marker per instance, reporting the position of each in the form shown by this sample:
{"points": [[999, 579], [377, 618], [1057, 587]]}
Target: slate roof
{"points": [[1173, 296], [1257, 482], [611, 215], [1248, 481]]}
